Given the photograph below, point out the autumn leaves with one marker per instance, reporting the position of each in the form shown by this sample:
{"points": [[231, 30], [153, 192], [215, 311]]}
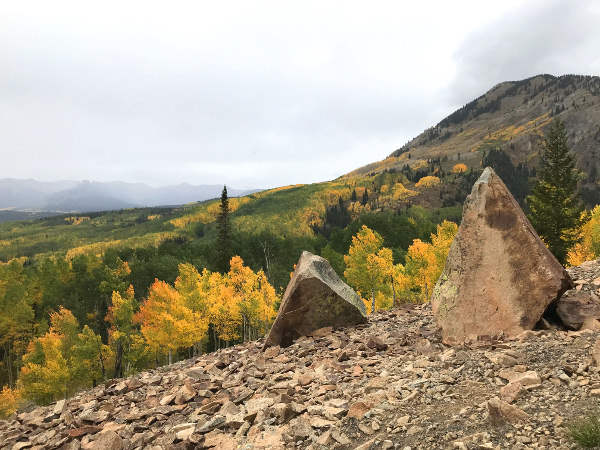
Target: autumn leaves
{"points": [[170, 321], [371, 271]]}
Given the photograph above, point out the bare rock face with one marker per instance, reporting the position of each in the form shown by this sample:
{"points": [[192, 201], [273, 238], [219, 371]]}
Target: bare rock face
{"points": [[315, 298], [499, 276]]}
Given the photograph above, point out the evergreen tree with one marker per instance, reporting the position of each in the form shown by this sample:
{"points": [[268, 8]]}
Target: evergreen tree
{"points": [[353, 197], [365, 198], [556, 209], [224, 236]]}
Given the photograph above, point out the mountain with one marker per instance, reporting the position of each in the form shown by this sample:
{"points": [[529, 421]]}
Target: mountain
{"points": [[512, 116], [89, 196], [21, 194]]}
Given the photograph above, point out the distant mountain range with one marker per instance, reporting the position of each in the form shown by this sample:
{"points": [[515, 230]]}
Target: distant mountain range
{"points": [[39, 197]]}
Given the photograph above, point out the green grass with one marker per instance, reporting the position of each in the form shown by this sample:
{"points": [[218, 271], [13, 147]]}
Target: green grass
{"points": [[586, 431]]}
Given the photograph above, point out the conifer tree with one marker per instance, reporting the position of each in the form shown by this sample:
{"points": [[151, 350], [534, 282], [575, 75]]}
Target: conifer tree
{"points": [[556, 209], [224, 237], [365, 198]]}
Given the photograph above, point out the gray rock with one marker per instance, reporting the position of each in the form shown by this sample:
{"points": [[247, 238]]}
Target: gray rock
{"points": [[315, 298]]}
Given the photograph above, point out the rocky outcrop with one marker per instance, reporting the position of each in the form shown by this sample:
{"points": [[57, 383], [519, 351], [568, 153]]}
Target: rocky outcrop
{"points": [[499, 277], [579, 308], [315, 298], [335, 392]]}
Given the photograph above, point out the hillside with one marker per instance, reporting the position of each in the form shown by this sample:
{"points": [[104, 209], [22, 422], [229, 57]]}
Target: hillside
{"points": [[511, 116], [387, 384]]}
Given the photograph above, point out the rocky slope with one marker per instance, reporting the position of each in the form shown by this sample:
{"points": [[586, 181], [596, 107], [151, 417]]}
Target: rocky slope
{"points": [[389, 383], [512, 116]]}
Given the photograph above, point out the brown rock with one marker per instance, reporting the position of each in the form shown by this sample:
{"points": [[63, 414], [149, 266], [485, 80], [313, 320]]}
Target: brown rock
{"points": [[107, 441], [185, 394], [502, 413], [90, 429], [272, 352], [376, 343], [499, 276], [575, 309], [322, 332], [596, 352], [358, 410], [315, 298], [510, 392], [590, 324]]}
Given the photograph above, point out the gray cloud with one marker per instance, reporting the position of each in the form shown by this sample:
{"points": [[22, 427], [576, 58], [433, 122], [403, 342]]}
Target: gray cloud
{"points": [[556, 37], [255, 94]]}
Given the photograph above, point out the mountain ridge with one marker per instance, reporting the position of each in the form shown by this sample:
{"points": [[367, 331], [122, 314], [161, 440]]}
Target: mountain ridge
{"points": [[91, 196], [511, 116]]}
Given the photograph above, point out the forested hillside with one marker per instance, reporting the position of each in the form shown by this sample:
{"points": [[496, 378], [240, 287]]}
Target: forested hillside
{"points": [[511, 117], [93, 296]]}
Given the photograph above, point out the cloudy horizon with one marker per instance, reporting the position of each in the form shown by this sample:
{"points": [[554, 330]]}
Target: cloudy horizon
{"points": [[258, 94]]}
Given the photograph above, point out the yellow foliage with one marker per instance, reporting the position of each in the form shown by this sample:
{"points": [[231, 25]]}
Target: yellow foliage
{"points": [[425, 262], [368, 265], [422, 164], [428, 182], [76, 220], [9, 402], [589, 247], [401, 193], [384, 189], [459, 168], [166, 323], [44, 374]]}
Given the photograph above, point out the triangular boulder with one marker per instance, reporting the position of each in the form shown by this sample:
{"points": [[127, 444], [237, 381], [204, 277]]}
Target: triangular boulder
{"points": [[315, 298], [499, 276]]}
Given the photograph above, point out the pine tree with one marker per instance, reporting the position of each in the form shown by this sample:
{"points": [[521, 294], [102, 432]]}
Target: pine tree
{"points": [[556, 209], [365, 198], [353, 196], [224, 237]]}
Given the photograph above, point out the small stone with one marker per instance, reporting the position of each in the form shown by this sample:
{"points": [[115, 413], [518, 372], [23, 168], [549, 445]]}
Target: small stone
{"points": [[501, 412], [107, 441], [511, 392], [402, 421], [358, 410], [376, 343]]}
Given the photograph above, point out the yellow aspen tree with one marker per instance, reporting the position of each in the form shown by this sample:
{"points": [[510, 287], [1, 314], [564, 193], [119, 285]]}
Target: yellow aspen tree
{"points": [[421, 267], [88, 359], [192, 288], [9, 402], [44, 375], [224, 311], [82, 349], [428, 182], [65, 325], [440, 243], [459, 168], [368, 264], [166, 323], [120, 317], [243, 283], [589, 247]]}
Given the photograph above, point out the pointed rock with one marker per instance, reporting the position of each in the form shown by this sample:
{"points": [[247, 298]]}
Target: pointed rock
{"points": [[315, 298], [499, 276]]}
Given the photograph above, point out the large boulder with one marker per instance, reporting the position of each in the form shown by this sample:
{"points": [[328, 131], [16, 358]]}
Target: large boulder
{"points": [[315, 298], [499, 276]]}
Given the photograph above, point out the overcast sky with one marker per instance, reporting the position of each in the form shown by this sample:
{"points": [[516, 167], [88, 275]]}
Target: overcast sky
{"points": [[256, 93]]}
